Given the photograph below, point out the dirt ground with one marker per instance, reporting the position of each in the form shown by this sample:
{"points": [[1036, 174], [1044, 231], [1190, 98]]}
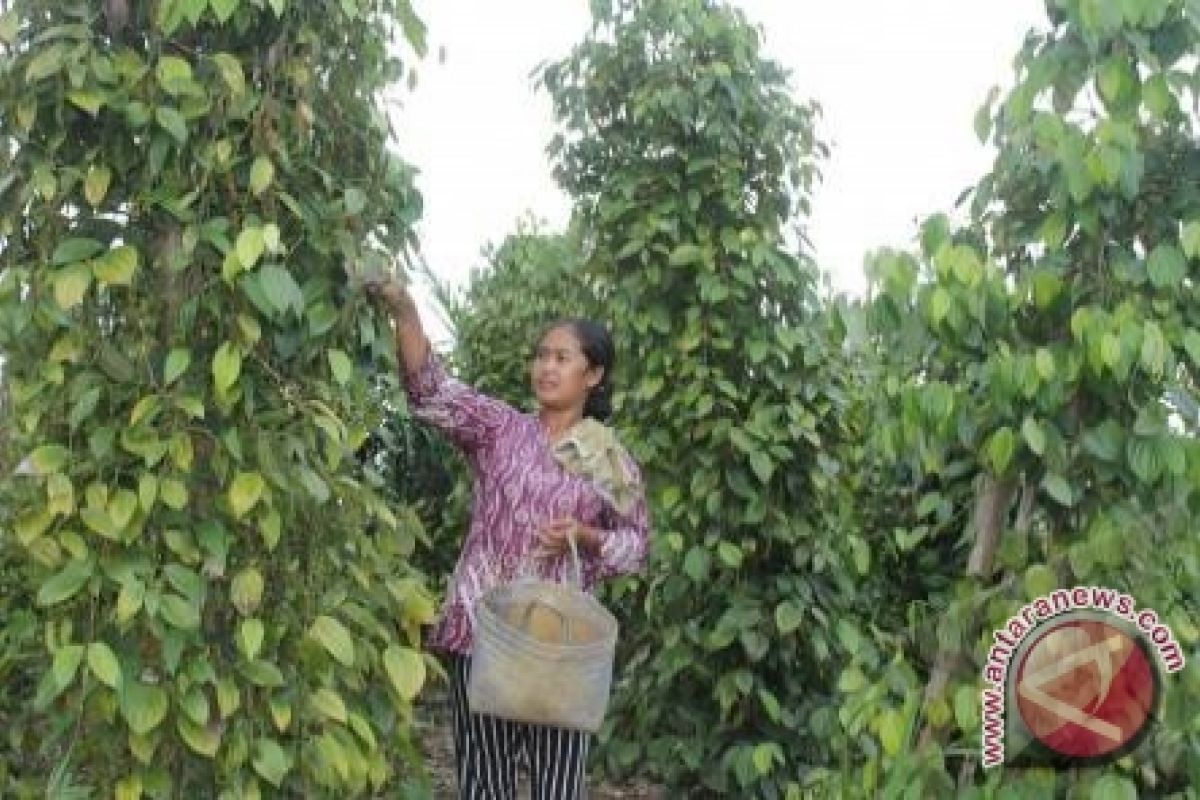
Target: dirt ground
{"points": [[438, 744]]}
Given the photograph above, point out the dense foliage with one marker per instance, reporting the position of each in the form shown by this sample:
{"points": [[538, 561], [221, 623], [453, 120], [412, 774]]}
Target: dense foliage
{"points": [[219, 598]]}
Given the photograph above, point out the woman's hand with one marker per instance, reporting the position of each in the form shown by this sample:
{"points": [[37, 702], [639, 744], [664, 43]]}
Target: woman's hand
{"points": [[553, 537], [391, 292], [411, 342]]}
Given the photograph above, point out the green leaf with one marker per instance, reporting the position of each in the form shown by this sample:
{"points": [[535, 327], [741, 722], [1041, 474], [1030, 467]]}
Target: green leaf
{"points": [[246, 591], [203, 739], [95, 186], [173, 73], [685, 254], [231, 72], [788, 617], [270, 760], [281, 289], [763, 758], [329, 703], [87, 100], [103, 664], [250, 637], [1166, 266], [696, 564], [66, 583], [224, 8], [98, 521], [1113, 787], [1040, 580], [262, 673], [226, 366], [1189, 239], [245, 492], [47, 459], [892, 730], [405, 669], [1000, 449], [178, 360], [10, 26], [77, 249], [355, 200], [148, 492], [48, 61], [730, 553], [1058, 488], [340, 365], [172, 122], [66, 664], [261, 175], [1191, 343], [1034, 436], [173, 493], [335, 638], [966, 707], [144, 706], [179, 612], [761, 463], [117, 266]]}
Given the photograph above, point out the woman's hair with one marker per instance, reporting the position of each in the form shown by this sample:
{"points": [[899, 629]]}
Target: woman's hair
{"points": [[597, 345]]}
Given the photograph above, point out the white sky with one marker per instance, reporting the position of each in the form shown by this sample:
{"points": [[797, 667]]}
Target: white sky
{"points": [[899, 82]]}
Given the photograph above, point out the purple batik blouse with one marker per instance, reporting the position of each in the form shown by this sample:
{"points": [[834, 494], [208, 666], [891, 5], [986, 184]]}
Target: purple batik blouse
{"points": [[518, 484]]}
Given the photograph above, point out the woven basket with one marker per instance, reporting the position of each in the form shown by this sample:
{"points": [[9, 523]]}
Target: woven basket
{"points": [[543, 653]]}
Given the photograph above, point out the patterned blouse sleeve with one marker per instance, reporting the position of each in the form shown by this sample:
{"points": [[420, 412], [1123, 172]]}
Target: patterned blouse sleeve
{"points": [[624, 537], [471, 419]]}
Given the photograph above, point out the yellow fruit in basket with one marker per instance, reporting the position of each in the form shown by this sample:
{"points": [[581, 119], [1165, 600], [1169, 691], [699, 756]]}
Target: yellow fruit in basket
{"points": [[546, 625]]}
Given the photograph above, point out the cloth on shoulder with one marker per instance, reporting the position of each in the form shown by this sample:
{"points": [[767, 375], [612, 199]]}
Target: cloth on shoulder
{"points": [[591, 449]]}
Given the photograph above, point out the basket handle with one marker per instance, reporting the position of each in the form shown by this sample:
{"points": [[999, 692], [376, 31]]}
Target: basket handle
{"points": [[564, 618], [575, 556]]}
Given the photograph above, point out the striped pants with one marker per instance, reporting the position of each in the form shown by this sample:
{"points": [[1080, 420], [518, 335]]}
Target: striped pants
{"points": [[488, 750]]}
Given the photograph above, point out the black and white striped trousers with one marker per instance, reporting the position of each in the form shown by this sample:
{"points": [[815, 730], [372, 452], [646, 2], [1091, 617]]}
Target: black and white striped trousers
{"points": [[488, 751]]}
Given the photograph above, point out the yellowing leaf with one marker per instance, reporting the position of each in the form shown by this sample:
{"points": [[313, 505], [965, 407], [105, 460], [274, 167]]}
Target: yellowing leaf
{"points": [[262, 172], [244, 492], [226, 366], [405, 669], [87, 99], [117, 266], [95, 186], [203, 739], [249, 246], [891, 732], [246, 591], [71, 284]]}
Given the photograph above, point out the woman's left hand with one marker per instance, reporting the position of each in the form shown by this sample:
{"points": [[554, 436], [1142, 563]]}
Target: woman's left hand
{"points": [[553, 536]]}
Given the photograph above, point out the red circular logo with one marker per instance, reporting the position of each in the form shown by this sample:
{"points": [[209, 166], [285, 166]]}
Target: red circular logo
{"points": [[1086, 688]]}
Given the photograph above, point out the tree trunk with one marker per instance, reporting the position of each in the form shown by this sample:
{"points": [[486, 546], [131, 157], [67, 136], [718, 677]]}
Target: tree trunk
{"points": [[991, 506]]}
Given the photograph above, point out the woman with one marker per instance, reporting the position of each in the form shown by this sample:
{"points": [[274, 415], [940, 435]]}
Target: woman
{"points": [[538, 478]]}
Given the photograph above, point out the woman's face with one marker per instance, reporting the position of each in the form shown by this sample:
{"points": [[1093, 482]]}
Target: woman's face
{"points": [[560, 373]]}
